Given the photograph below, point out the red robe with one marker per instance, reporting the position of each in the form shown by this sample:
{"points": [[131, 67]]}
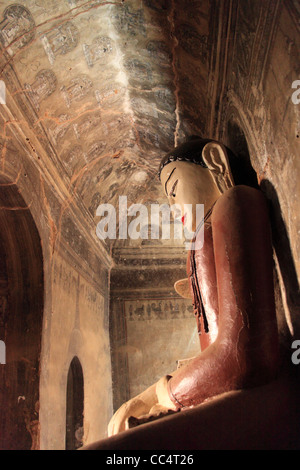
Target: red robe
{"points": [[234, 271]]}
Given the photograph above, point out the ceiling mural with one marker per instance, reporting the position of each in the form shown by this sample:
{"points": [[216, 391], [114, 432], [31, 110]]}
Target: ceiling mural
{"points": [[107, 87]]}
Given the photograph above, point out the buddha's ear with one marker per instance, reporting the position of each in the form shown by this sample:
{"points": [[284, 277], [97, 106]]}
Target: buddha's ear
{"points": [[215, 157]]}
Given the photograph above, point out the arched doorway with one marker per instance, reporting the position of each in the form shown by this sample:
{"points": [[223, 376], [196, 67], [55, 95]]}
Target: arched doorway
{"points": [[21, 314], [75, 406]]}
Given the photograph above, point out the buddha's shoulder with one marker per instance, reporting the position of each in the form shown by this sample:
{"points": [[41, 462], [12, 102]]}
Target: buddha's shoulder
{"points": [[240, 196]]}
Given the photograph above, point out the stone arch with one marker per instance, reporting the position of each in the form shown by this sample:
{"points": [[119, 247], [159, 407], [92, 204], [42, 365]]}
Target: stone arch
{"points": [[21, 319], [75, 406]]}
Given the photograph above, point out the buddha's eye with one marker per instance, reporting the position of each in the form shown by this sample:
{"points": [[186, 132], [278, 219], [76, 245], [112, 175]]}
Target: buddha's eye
{"points": [[172, 193]]}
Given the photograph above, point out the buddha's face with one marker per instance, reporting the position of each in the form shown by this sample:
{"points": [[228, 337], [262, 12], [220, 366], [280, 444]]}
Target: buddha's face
{"points": [[187, 183]]}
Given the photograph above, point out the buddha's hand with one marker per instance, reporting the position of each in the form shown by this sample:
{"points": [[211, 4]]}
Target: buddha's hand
{"points": [[150, 402], [134, 407]]}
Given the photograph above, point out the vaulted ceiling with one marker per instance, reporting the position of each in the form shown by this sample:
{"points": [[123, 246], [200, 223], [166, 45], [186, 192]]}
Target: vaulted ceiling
{"points": [[106, 87]]}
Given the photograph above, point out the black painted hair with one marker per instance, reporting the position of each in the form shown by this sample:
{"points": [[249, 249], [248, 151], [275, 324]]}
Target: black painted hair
{"points": [[190, 151]]}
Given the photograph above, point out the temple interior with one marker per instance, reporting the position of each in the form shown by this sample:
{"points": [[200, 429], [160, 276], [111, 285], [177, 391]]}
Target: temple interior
{"points": [[93, 94]]}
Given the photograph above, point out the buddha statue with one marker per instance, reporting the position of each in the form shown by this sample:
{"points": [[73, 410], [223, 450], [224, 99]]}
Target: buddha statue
{"points": [[230, 280]]}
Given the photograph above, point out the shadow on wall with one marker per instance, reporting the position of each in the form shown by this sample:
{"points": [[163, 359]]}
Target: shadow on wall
{"points": [[240, 162], [284, 256]]}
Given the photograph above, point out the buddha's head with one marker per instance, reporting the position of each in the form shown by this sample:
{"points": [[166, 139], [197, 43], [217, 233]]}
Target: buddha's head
{"points": [[196, 172]]}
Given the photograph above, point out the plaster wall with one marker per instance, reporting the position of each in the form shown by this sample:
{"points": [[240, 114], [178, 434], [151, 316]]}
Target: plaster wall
{"points": [[75, 293], [77, 329]]}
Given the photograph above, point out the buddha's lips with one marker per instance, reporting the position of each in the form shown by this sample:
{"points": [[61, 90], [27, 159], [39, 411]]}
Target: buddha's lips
{"points": [[183, 219]]}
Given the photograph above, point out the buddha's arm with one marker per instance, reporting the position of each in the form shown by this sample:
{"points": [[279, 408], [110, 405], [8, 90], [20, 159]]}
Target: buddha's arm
{"points": [[245, 353]]}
